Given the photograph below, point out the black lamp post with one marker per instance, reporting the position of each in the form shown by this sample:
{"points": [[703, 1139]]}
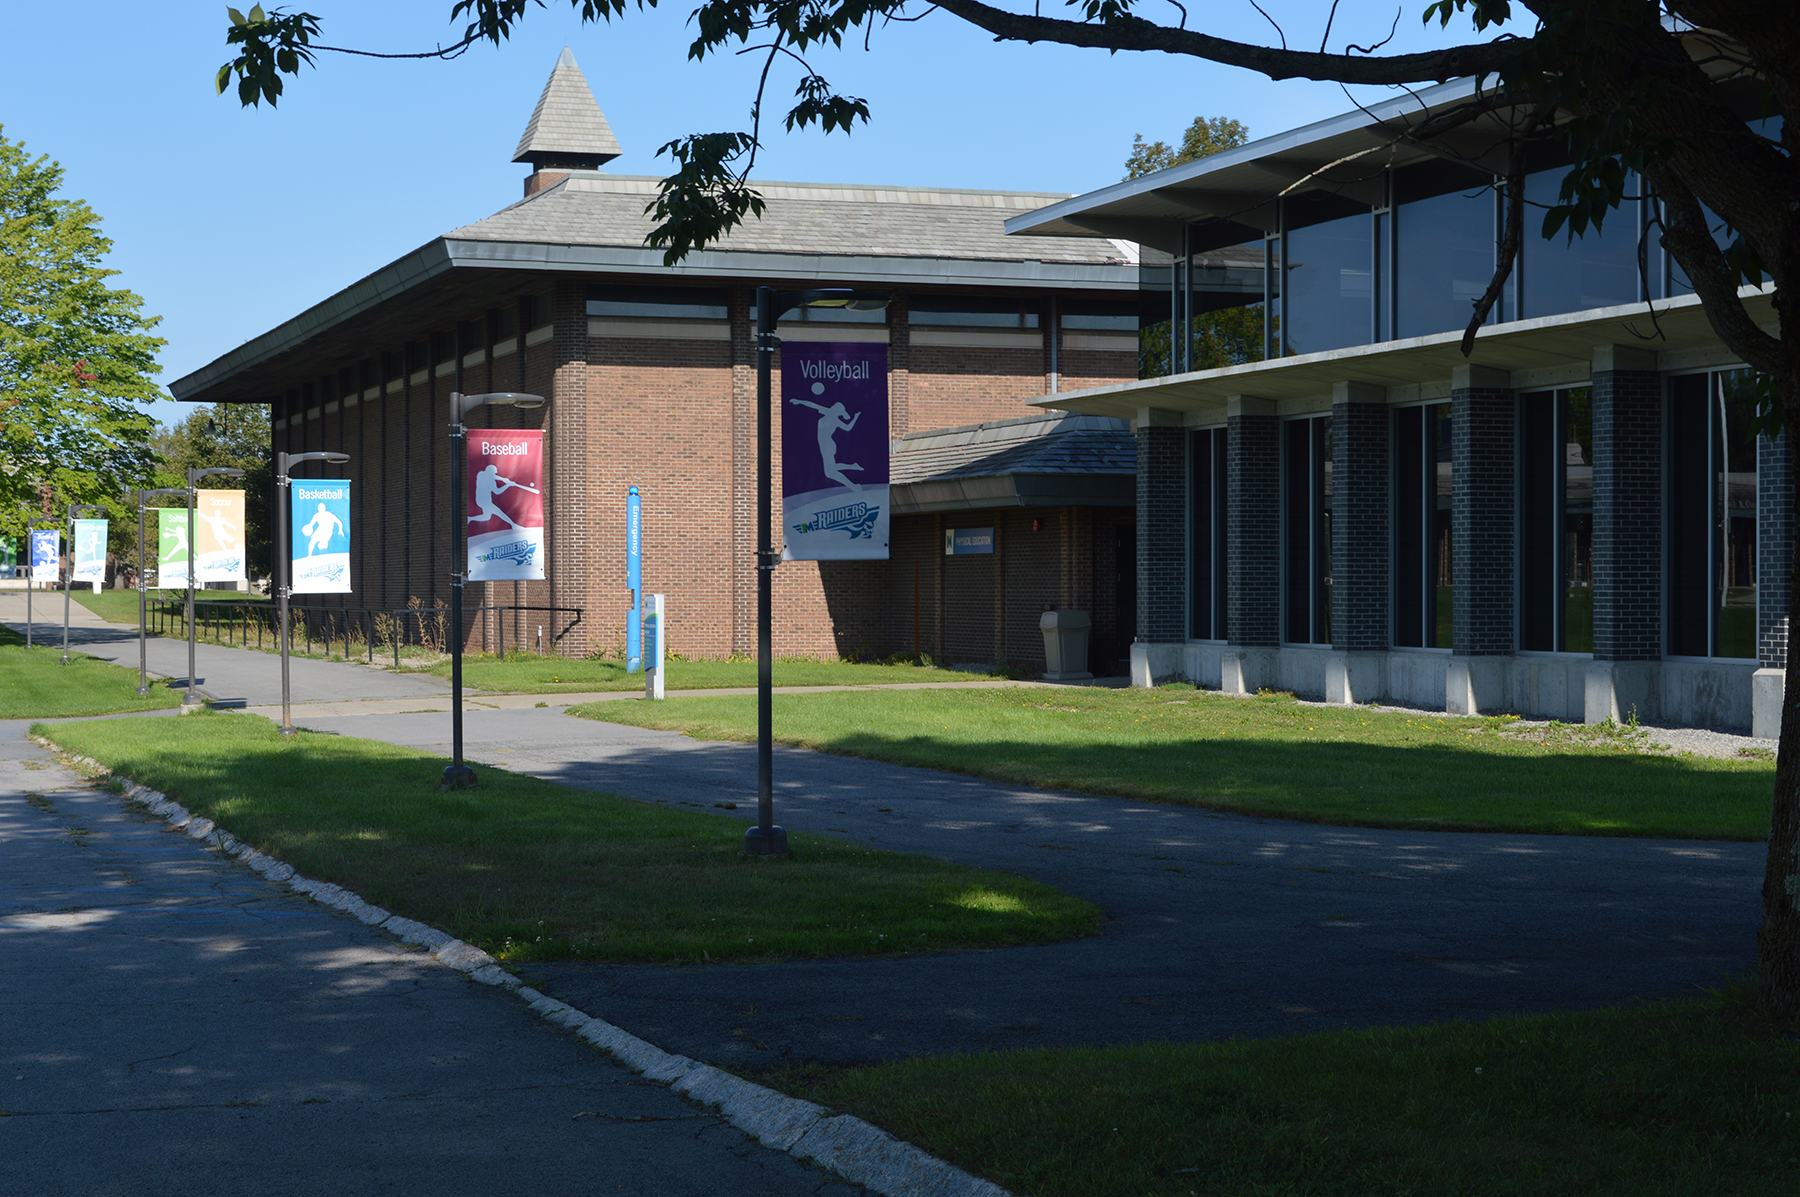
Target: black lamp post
{"points": [[193, 477], [284, 563], [456, 774], [143, 653], [766, 839], [30, 569], [75, 513]]}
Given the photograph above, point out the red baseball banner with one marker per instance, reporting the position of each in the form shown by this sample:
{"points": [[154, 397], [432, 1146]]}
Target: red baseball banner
{"points": [[505, 496]]}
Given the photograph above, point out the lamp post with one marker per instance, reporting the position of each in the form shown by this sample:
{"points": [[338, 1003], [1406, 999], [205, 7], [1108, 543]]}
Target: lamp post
{"points": [[193, 477], [456, 774], [143, 653], [75, 513], [31, 569], [284, 462], [766, 839]]}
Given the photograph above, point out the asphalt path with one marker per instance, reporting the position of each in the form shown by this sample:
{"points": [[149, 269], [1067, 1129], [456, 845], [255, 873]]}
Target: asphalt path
{"points": [[171, 1023], [230, 676], [1218, 925]]}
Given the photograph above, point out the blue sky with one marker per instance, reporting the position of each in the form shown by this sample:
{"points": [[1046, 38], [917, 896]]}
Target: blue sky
{"points": [[229, 220]]}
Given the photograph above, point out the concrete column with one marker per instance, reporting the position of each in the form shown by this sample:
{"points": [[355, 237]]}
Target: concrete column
{"points": [[1361, 569], [1483, 436], [1252, 543], [1628, 548], [1774, 581], [1161, 546]]}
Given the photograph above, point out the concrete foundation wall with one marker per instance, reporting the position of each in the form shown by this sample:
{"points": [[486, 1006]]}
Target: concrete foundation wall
{"points": [[1569, 687]]}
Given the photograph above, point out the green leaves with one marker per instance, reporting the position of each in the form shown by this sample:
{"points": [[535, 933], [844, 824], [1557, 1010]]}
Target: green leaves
{"points": [[705, 198], [274, 43], [76, 356]]}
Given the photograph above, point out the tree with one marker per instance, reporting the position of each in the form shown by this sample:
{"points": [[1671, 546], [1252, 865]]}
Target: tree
{"points": [[76, 356], [1229, 336], [229, 434], [1207, 135], [1631, 85]]}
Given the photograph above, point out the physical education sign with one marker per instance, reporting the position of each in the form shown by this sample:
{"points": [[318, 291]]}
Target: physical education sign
{"points": [[171, 548], [961, 541], [320, 536], [834, 452], [90, 552], [46, 554], [505, 494], [219, 535]]}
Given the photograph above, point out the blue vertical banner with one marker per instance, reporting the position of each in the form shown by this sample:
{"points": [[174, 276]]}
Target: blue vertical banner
{"points": [[834, 452], [90, 552], [634, 580], [320, 537], [46, 554]]}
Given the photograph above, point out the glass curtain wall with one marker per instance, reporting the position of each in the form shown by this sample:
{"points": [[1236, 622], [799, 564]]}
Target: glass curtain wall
{"points": [[1306, 530], [1556, 521], [1444, 241], [1562, 274], [1424, 481], [1329, 275], [1711, 515], [1206, 534]]}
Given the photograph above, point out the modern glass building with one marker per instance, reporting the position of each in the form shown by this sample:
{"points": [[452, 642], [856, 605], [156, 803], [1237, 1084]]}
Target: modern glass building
{"points": [[1578, 521]]}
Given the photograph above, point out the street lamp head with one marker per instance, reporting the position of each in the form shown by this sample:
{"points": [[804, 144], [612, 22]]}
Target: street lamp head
{"points": [[468, 403], [223, 471]]}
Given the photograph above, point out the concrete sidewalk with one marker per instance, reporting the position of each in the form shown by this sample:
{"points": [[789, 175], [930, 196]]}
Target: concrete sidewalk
{"points": [[1218, 925], [170, 1022]]}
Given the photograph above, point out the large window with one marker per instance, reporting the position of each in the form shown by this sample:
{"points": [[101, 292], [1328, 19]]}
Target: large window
{"points": [[667, 303], [1712, 515], [1444, 246], [1424, 481], [973, 311], [1330, 283], [1559, 274], [1206, 533], [1556, 521], [1306, 530]]}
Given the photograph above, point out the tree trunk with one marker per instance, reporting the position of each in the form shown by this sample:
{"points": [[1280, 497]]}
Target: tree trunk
{"points": [[1778, 942]]}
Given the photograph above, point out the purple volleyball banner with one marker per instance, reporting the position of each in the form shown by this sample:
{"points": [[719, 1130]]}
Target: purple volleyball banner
{"points": [[834, 452]]}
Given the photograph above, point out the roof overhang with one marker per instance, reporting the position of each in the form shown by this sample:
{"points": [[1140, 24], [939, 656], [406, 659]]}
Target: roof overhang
{"points": [[1533, 353], [1013, 490], [445, 275]]}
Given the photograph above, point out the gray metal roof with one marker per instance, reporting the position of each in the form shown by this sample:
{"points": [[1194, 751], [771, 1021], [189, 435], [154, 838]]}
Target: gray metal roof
{"points": [[1033, 461], [567, 120], [835, 220]]}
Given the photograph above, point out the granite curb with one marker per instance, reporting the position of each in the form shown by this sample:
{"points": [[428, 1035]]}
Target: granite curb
{"points": [[857, 1151]]}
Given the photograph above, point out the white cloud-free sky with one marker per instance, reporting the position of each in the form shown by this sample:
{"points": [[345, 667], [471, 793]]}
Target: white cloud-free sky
{"points": [[230, 220]]}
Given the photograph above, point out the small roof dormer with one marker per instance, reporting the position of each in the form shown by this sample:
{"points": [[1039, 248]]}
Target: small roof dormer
{"points": [[567, 130]]}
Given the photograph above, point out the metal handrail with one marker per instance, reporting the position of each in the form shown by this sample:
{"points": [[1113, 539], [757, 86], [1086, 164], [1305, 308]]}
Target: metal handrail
{"points": [[429, 625]]}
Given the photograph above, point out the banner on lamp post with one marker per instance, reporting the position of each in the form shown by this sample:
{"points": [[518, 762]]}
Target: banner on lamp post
{"points": [[9, 556], [834, 452], [90, 552], [505, 495], [46, 554], [171, 548], [319, 515], [219, 535]]}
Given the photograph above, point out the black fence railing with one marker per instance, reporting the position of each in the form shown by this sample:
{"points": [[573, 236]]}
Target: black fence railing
{"points": [[389, 629]]}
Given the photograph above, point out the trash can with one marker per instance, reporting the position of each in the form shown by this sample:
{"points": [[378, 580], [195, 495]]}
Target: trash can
{"points": [[1065, 645]]}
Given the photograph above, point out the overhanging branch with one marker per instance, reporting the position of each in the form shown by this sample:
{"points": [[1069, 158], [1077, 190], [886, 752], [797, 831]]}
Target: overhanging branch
{"points": [[1432, 66]]}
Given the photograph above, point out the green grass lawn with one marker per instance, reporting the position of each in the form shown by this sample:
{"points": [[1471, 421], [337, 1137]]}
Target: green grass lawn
{"points": [[1648, 1101], [528, 673], [532, 871], [34, 684], [1264, 756]]}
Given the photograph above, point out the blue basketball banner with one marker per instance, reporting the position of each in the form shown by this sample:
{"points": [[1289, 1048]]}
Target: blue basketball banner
{"points": [[320, 536]]}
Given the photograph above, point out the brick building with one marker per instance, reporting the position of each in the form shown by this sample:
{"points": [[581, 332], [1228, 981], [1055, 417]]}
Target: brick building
{"points": [[650, 373], [1577, 522]]}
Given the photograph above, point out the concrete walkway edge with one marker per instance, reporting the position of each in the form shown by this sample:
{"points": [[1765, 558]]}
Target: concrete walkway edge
{"points": [[857, 1151]]}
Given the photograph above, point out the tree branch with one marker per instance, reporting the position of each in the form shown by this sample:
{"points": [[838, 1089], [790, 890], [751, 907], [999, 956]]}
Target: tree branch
{"points": [[1511, 236], [1431, 66], [1686, 236]]}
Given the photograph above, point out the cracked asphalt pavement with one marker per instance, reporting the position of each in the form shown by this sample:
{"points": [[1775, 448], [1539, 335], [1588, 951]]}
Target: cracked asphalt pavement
{"points": [[171, 1023]]}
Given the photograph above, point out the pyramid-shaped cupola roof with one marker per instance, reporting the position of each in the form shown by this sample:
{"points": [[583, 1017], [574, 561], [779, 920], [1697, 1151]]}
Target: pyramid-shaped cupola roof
{"points": [[567, 128]]}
